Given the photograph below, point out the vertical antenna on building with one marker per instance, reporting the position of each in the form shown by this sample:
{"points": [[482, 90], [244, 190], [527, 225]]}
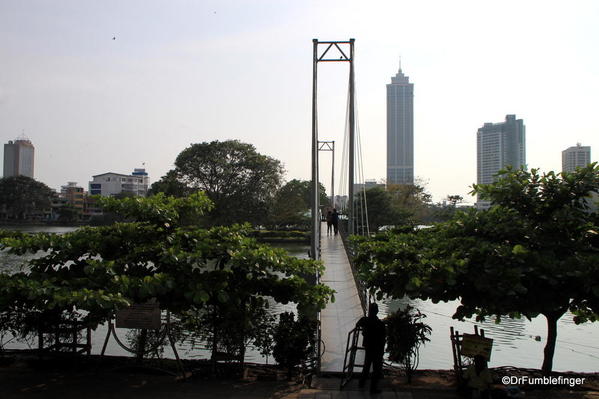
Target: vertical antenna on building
{"points": [[22, 136]]}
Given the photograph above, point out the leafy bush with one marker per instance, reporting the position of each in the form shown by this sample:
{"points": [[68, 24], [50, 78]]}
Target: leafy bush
{"points": [[294, 341], [94, 271], [406, 332]]}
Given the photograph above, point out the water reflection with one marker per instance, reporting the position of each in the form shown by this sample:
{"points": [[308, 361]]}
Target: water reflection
{"points": [[41, 229], [514, 340]]}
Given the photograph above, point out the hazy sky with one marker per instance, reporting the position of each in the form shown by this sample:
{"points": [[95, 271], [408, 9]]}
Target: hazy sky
{"points": [[182, 72]]}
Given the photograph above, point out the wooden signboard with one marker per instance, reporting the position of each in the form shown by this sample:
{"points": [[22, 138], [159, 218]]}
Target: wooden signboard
{"points": [[473, 345], [142, 315]]}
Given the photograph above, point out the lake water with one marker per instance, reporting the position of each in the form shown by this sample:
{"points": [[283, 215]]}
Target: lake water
{"points": [[514, 342]]}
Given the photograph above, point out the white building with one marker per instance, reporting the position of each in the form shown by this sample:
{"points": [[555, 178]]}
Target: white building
{"points": [[110, 184], [400, 130], [18, 158], [575, 157], [499, 145]]}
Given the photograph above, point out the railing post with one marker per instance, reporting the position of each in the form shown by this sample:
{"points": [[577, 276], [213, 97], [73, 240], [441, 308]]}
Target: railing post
{"points": [[314, 242]]}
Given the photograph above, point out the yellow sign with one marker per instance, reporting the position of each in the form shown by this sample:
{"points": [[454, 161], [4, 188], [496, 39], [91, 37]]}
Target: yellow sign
{"points": [[473, 345], [142, 315]]}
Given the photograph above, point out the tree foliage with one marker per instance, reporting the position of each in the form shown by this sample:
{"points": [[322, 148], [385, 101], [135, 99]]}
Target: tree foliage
{"points": [[536, 251], [236, 178], [397, 205], [443, 211], [455, 199], [384, 211], [21, 197], [293, 340], [406, 333], [169, 185], [90, 273], [292, 203]]}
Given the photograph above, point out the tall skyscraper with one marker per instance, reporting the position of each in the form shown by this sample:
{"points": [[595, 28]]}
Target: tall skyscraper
{"points": [[499, 145], [575, 157], [400, 130], [18, 158]]}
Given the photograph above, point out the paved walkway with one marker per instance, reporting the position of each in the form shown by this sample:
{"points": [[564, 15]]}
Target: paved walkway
{"points": [[341, 316]]}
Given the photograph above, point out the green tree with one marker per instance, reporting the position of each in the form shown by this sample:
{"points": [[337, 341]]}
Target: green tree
{"points": [[411, 199], [406, 333], [455, 199], [442, 212], [291, 204], [89, 273], [22, 197], [536, 251], [238, 180], [68, 213], [293, 340], [170, 185], [383, 211]]}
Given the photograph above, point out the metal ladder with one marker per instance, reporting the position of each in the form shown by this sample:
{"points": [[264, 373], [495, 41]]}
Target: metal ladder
{"points": [[349, 362]]}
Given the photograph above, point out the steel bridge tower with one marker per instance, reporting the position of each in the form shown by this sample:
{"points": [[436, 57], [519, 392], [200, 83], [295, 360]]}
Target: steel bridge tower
{"points": [[334, 51]]}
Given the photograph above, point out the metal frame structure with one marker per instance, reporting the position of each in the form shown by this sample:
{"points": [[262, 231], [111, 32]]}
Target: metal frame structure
{"points": [[330, 146], [140, 352], [338, 47], [349, 361]]}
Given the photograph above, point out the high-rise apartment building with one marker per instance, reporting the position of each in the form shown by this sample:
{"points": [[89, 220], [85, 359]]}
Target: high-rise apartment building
{"points": [[18, 158], [110, 184], [499, 145], [575, 157], [400, 130]]}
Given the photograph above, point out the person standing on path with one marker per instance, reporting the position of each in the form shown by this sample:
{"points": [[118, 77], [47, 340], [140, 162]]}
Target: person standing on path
{"points": [[373, 330], [335, 221], [329, 222]]}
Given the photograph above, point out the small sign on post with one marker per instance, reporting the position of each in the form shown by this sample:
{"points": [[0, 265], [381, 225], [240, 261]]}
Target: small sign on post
{"points": [[473, 345], [141, 315]]}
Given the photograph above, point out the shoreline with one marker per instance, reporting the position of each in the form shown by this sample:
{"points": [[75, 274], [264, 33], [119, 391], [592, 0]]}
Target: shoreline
{"points": [[31, 366]]}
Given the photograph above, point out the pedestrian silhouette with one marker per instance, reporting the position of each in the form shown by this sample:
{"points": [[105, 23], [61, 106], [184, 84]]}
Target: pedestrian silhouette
{"points": [[329, 222], [335, 221], [373, 330], [479, 379]]}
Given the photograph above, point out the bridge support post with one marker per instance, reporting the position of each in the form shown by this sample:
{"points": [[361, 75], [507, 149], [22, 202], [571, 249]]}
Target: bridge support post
{"points": [[341, 56], [315, 237]]}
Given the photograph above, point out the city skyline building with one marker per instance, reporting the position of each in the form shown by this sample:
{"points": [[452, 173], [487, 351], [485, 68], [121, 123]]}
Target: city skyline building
{"points": [[74, 195], [110, 184], [578, 156], [400, 130], [19, 158], [499, 145]]}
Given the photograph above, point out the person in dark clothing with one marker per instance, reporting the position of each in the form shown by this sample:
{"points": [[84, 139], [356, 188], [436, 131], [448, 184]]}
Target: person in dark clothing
{"points": [[479, 379], [373, 330], [335, 221], [329, 222]]}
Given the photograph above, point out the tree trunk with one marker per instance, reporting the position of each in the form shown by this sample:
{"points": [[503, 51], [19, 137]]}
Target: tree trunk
{"points": [[242, 338], [549, 350], [214, 341], [141, 344]]}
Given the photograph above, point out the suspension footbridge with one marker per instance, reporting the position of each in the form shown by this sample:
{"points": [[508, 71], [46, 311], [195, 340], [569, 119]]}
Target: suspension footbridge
{"points": [[341, 316]]}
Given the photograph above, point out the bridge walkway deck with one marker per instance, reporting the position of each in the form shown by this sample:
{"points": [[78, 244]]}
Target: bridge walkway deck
{"points": [[339, 317]]}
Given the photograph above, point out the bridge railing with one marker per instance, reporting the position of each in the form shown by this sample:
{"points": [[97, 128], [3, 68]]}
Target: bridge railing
{"points": [[362, 291]]}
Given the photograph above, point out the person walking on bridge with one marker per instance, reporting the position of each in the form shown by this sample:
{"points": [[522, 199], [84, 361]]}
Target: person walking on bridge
{"points": [[373, 330], [335, 221]]}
